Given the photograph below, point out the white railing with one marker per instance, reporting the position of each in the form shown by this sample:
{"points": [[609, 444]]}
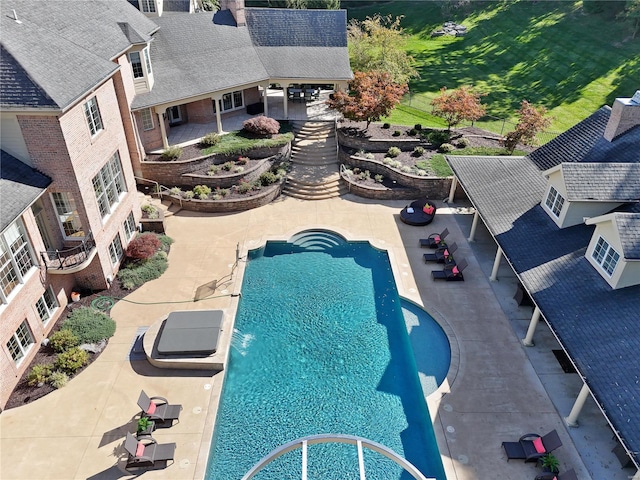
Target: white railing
{"points": [[359, 442]]}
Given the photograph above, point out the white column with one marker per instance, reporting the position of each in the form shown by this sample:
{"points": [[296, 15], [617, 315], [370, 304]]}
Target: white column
{"points": [[285, 99], [572, 419], [496, 265], [218, 118], [265, 89], [163, 129], [474, 225], [452, 190], [533, 323]]}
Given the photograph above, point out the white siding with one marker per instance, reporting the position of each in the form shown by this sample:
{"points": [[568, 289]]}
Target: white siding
{"points": [[11, 138]]}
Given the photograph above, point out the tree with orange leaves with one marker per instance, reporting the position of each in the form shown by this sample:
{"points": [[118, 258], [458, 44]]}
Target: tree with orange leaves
{"points": [[457, 105], [372, 95], [532, 120]]}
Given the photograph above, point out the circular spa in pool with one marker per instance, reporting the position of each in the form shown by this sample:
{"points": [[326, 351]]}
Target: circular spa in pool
{"points": [[323, 345]]}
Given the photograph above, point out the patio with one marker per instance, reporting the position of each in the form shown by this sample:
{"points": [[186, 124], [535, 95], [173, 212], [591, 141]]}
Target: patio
{"points": [[190, 133]]}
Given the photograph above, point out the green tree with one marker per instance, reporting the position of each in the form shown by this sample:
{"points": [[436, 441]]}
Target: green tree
{"points": [[632, 12], [532, 121], [457, 105], [379, 43], [372, 95], [314, 4]]}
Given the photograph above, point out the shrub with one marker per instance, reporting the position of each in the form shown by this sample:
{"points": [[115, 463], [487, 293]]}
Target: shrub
{"points": [[171, 153], [202, 191], [210, 139], [238, 169], [228, 166], [213, 169], [361, 153], [387, 160], [386, 125], [378, 178], [144, 246], [223, 192], [462, 143], [370, 156], [244, 187], [366, 175], [150, 210], [445, 148], [413, 132], [89, 325], [58, 379], [72, 360], [421, 173], [417, 126], [39, 374], [62, 340], [393, 152], [406, 169], [137, 274], [396, 163], [396, 133], [242, 160], [418, 151], [166, 242], [438, 137], [268, 178], [177, 191], [261, 125], [188, 194]]}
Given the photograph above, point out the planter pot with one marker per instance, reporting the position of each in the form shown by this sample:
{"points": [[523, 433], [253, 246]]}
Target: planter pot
{"points": [[75, 296]]}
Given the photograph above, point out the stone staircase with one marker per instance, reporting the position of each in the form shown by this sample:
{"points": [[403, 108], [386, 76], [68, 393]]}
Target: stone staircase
{"points": [[315, 168]]}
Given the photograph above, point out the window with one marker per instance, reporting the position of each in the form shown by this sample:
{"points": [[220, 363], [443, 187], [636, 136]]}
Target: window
{"points": [[147, 60], [554, 201], [46, 305], [605, 256], [136, 64], [147, 119], [148, 6], [115, 249], [15, 258], [68, 216], [93, 115], [109, 184], [230, 101], [20, 343], [130, 225]]}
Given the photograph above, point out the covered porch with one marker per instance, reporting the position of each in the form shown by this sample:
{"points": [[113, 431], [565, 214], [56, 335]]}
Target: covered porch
{"points": [[316, 109]]}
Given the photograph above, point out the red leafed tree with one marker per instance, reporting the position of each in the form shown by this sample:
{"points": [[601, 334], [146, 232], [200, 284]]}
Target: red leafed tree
{"points": [[457, 105], [532, 121], [143, 246], [372, 95]]}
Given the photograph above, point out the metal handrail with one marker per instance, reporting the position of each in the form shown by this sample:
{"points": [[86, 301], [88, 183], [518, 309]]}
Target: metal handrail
{"points": [[160, 189], [69, 257]]}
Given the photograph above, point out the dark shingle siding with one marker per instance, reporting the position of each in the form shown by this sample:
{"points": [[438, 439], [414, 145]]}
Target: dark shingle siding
{"points": [[280, 27], [602, 181], [20, 186], [629, 230]]}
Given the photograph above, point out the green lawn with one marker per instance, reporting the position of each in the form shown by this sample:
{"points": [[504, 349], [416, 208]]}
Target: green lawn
{"points": [[547, 52]]}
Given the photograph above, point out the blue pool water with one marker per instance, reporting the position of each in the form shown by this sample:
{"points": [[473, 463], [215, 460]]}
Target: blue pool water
{"points": [[320, 346]]}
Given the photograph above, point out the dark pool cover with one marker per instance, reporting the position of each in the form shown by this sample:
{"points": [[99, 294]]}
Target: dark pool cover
{"points": [[190, 333]]}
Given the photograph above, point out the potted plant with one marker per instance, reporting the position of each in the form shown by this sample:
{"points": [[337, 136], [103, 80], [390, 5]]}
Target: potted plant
{"points": [[550, 463], [145, 426]]}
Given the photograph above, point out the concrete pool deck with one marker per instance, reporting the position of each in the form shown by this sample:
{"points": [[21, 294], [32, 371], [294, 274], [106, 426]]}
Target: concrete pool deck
{"points": [[496, 390]]}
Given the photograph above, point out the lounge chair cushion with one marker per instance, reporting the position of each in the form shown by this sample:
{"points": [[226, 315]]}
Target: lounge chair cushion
{"points": [[446, 252], [152, 409], [455, 270], [140, 449], [436, 239], [538, 445]]}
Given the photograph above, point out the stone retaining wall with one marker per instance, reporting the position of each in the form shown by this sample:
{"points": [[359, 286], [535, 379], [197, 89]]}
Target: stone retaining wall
{"points": [[266, 196], [378, 145], [380, 193], [190, 180]]}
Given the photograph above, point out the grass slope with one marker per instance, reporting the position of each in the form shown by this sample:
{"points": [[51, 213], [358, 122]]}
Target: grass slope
{"points": [[549, 53]]}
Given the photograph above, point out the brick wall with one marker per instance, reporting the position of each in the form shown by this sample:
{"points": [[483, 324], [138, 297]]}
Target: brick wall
{"points": [[200, 111], [151, 139], [125, 91]]}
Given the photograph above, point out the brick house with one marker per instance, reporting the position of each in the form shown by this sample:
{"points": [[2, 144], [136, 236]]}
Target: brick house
{"points": [[86, 87]]}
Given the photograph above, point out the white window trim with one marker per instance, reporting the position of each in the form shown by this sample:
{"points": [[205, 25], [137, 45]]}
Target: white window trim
{"points": [[55, 207], [49, 310], [145, 124], [555, 201], [115, 255], [23, 350], [148, 6], [21, 278], [606, 250], [139, 62], [91, 119], [233, 106], [111, 207], [126, 225]]}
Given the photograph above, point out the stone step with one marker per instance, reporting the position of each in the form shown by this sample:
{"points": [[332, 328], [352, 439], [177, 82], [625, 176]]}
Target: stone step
{"points": [[317, 192], [315, 162]]}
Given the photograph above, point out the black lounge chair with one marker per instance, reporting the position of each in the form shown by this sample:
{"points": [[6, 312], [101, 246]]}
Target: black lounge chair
{"points": [[435, 240], [158, 409], [415, 215], [146, 452], [525, 448], [442, 255], [568, 475], [451, 273]]}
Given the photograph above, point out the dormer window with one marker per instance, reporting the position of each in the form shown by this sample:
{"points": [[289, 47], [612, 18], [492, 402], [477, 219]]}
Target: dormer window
{"points": [[148, 6], [605, 256], [136, 63], [554, 201]]}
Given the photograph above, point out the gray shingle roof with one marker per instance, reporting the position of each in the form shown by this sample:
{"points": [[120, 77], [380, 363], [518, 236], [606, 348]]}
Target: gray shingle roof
{"points": [[65, 47], [20, 186], [283, 27], [306, 62], [629, 230], [17, 87], [191, 55], [176, 6], [602, 181], [596, 325]]}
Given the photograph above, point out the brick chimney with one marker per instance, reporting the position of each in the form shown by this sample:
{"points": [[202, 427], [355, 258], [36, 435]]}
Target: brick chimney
{"points": [[237, 10], [625, 114]]}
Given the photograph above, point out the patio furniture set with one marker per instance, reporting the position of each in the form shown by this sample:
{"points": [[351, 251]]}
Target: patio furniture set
{"points": [[443, 253], [298, 94], [143, 450]]}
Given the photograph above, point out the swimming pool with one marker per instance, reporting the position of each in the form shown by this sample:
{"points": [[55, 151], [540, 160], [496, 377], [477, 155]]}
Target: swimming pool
{"points": [[320, 346]]}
